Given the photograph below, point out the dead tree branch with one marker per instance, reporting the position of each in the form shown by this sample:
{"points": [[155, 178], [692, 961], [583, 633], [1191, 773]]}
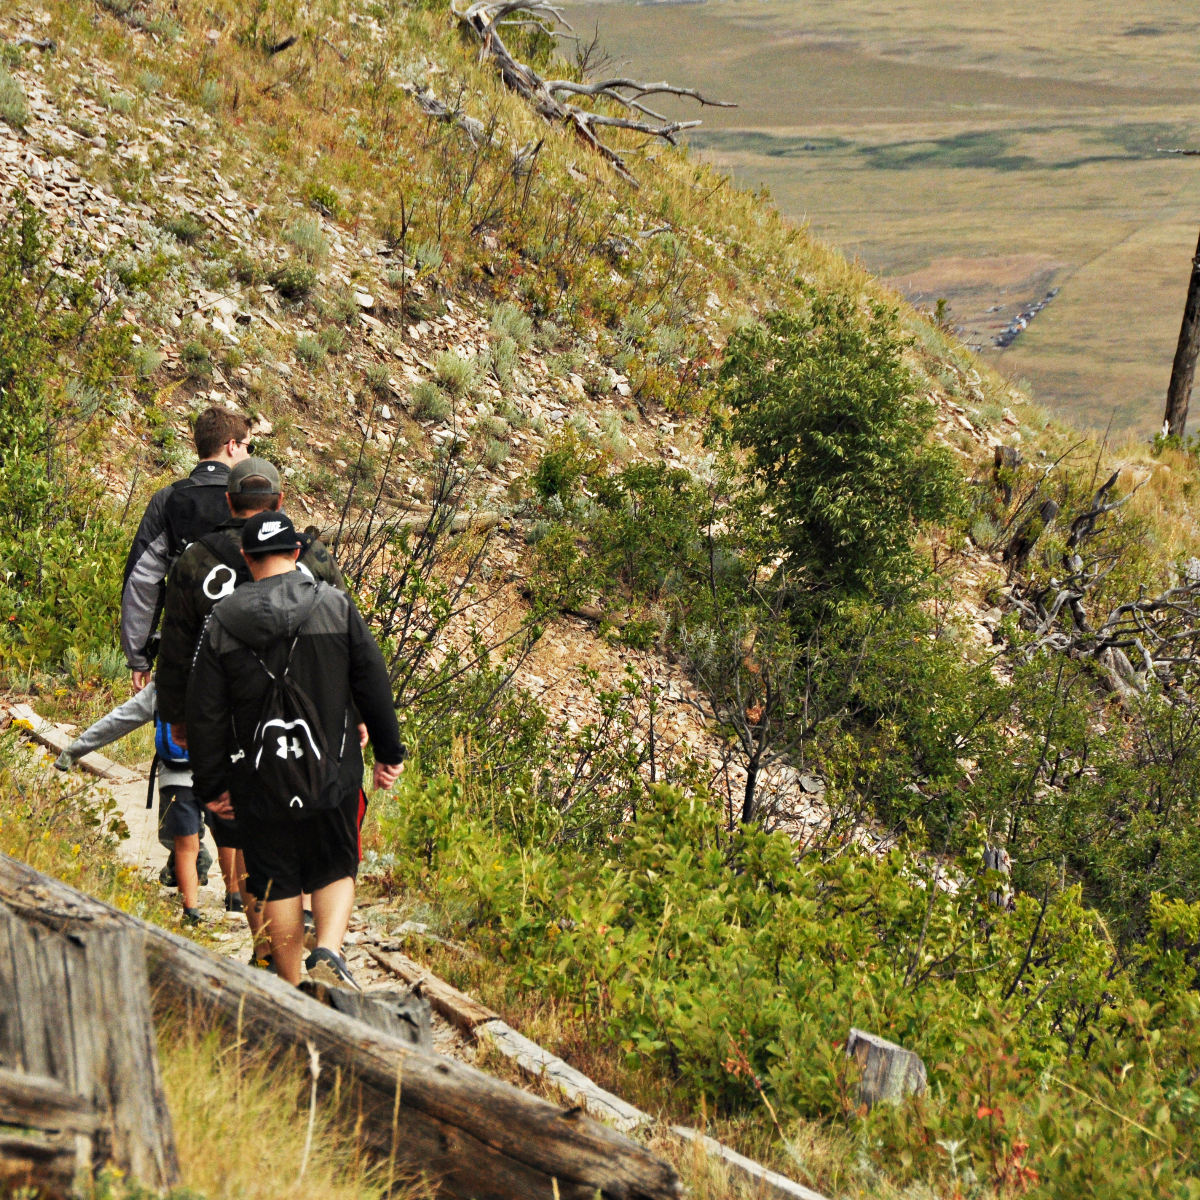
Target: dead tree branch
{"points": [[485, 18]]}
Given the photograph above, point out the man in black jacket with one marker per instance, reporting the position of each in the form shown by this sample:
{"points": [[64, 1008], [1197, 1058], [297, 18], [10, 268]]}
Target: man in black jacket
{"points": [[176, 515], [286, 622]]}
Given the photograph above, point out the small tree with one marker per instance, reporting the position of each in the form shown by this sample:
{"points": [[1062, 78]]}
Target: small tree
{"points": [[837, 442]]}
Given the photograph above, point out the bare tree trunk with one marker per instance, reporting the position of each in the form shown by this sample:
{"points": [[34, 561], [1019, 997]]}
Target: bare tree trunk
{"points": [[751, 785], [1183, 370]]}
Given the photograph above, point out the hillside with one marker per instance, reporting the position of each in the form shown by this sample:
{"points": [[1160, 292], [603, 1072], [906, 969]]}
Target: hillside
{"points": [[733, 608]]}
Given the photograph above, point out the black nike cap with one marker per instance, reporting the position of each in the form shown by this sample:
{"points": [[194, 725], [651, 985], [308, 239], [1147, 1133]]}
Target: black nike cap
{"points": [[269, 533]]}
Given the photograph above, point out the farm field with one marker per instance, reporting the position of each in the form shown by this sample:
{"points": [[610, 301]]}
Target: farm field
{"points": [[984, 155]]}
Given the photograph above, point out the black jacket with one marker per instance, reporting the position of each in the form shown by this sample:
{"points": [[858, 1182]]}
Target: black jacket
{"points": [[336, 661], [199, 581], [148, 561]]}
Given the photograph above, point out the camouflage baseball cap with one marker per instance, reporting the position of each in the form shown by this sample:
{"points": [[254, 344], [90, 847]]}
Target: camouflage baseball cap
{"points": [[256, 469]]}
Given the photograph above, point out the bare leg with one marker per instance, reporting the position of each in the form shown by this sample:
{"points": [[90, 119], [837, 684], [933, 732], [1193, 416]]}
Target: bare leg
{"points": [[283, 921], [250, 905], [332, 906], [186, 850], [226, 856]]}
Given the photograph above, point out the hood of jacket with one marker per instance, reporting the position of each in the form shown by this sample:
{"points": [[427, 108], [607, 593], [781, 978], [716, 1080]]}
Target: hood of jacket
{"points": [[268, 610]]}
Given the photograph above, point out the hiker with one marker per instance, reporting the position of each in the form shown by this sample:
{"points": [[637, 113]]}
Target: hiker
{"points": [[176, 516], [283, 665], [208, 571], [180, 827]]}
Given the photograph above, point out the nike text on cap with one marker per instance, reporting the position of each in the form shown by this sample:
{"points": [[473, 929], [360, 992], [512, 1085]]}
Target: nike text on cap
{"points": [[257, 470], [269, 533]]}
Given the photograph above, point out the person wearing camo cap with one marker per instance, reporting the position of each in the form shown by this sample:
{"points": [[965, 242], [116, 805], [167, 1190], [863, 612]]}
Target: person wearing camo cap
{"points": [[208, 571]]}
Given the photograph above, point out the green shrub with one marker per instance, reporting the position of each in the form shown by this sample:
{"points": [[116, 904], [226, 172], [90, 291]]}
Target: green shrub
{"points": [[294, 280], [378, 376], [428, 256], [323, 198], [196, 359], [495, 453], [493, 427], [510, 321], [184, 228], [146, 360], [503, 358], [149, 83], [310, 351], [118, 102], [836, 430], [14, 108], [429, 403], [333, 338], [210, 95], [565, 463], [306, 239], [246, 268], [455, 372]]}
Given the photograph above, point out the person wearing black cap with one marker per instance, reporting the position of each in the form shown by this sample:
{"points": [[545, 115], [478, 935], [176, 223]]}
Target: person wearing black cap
{"points": [[208, 571], [287, 627]]}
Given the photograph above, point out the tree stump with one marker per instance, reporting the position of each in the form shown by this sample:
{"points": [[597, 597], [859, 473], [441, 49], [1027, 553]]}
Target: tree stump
{"points": [[75, 1010], [889, 1072], [995, 858]]}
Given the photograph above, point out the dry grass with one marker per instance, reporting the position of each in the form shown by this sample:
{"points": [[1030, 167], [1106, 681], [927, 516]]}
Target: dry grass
{"points": [[241, 1120]]}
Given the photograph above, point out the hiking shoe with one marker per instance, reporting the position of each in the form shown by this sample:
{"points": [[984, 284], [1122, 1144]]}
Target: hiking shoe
{"points": [[167, 875], [204, 860], [264, 962], [233, 902], [332, 962], [192, 916]]}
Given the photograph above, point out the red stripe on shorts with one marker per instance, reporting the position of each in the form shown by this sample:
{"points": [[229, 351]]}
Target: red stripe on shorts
{"points": [[362, 812]]}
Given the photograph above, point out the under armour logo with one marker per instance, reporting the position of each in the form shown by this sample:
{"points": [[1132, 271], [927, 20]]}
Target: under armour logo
{"points": [[282, 749], [296, 802], [268, 529]]}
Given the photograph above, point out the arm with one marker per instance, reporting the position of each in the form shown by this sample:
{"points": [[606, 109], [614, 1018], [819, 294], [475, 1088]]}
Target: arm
{"points": [[150, 527], [372, 692], [139, 602], [123, 719], [207, 713]]}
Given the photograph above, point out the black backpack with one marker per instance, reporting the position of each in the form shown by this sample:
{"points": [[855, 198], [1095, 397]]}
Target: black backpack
{"points": [[193, 509], [295, 770]]}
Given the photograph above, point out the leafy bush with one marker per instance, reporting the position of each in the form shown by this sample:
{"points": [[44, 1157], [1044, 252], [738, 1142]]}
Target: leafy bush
{"points": [[310, 352], [378, 375], [305, 237], [294, 280], [495, 453], [61, 550], [184, 228], [149, 83], [511, 322], [323, 198], [196, 359], [210, 96], [146, 360], [455, 372], [428, 402], [14, 108], [503, 359], [836, 431], [333, 338]]}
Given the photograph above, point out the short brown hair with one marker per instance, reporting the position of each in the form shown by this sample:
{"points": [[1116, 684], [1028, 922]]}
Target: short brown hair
{"points": [[256, 500], [216, 426]]}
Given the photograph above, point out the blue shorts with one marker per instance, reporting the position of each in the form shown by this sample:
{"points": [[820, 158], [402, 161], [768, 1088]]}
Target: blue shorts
{"points": [[178, 812]]}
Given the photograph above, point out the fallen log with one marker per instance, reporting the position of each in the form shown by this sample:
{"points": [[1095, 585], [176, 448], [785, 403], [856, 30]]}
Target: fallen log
{"points": [[54, 738], [45, 1160], [472, 1135], [75, 1013]]}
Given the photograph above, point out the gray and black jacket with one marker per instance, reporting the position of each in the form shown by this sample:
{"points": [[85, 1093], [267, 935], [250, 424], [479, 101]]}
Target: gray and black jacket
{"points": [[199, 580], [335, 661], [148, 562]]}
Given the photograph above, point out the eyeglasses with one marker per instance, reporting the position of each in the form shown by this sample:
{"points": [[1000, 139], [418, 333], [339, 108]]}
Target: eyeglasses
{"points": [[249, 445]]}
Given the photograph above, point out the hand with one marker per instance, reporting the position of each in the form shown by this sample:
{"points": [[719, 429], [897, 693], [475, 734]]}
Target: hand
{"points": [[222, 806], [179, 735], [385, 776], [363, 736], [141, 678]]}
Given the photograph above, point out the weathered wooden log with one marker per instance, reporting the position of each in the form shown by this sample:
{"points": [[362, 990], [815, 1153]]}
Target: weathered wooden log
{"points": [[74, 1008], [399, 1012], [888, 1072], [996, 858], [476, 1137], [60, 1124]]}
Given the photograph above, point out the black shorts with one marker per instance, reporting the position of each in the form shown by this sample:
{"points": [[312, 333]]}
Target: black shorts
{"points": [[178, 812], [285, 858], [224, 831]]}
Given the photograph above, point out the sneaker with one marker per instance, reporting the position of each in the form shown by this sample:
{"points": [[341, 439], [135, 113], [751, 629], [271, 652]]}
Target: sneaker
{"points": [[204, 860], [233, 902], [167, 875], [333, 962], [192, 916]]}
